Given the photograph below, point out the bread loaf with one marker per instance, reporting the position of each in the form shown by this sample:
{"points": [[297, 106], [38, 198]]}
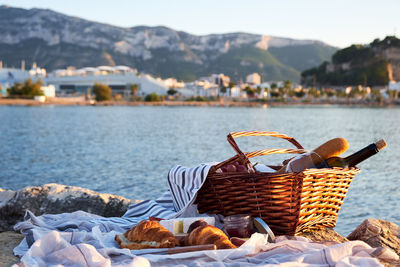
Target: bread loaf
{"points": [[207, 234], [147, 234]]}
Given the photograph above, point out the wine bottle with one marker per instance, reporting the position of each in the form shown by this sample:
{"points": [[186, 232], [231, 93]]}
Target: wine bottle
{"points": [[354, 159]]}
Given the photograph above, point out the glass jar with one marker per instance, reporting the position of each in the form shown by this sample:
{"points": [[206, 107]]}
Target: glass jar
{"points": [[239, 226]]}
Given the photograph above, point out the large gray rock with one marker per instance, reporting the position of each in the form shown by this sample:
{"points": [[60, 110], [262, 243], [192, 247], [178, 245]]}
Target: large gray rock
{"points": [[378, 233], [327, 236], [55, 198]]}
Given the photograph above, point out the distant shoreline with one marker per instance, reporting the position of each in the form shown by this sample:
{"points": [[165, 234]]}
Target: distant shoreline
{"points": [[225, 103]]}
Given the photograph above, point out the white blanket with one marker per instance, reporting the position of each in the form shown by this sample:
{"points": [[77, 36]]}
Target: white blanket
{"points": [[98, 249], [83, 239]]}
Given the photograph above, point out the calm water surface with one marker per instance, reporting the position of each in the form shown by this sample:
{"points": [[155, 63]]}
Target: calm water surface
{"points": [[129, 150]]}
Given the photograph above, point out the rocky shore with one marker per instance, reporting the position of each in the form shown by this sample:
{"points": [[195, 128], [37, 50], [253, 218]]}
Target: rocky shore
{"points": [[220, 103], [55, 198]]}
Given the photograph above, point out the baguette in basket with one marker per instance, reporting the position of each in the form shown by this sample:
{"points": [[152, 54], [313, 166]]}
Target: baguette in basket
{"points": [[332, 148]]}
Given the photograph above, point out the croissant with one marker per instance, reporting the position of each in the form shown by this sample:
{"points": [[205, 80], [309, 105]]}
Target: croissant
{"points": [[207, 234], [147, 234]]}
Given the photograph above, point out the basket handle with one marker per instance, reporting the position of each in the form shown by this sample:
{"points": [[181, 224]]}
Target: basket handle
{"points": [[231, 138], [266, 152]]}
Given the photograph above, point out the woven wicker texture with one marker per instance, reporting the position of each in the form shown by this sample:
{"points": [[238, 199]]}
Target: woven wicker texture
{"points": [[288, 203]]}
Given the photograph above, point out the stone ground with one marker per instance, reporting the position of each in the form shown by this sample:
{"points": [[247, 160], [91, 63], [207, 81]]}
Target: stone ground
{"points": [[8, 241]]}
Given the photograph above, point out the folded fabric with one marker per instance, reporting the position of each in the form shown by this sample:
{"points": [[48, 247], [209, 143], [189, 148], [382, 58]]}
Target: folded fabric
{"points": [[79, 249], [285, 252], [95, 249]]}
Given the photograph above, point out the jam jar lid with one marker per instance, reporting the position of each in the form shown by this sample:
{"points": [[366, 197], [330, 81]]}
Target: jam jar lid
{"points": [[238, 218], [262, 227]]}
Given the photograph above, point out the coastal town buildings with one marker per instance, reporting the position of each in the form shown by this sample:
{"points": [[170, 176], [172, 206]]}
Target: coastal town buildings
{"points": [[72, 82], [79, 82]]}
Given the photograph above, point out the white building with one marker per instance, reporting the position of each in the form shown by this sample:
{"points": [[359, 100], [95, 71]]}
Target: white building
{"points": [[172, 83], [235, 91], [36, 71], [49, 90], [217, 79], [203, 88], [265, 85], [253, 78], [394, 85], [119, 79]]}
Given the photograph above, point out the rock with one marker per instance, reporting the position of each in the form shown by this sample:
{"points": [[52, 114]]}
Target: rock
{"points": [[8, 241], [327, 236], [55, 198], [378, 233]]}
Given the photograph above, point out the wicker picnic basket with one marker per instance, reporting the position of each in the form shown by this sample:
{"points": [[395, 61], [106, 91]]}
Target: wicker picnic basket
{"points": [[289, 203]]}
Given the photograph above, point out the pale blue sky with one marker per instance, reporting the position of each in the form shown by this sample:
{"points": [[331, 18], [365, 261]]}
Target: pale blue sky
{"points": [[336, 22]]}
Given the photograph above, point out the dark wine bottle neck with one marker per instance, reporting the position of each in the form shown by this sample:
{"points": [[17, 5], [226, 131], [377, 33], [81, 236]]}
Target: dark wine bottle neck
{"points": [[361, 155]]}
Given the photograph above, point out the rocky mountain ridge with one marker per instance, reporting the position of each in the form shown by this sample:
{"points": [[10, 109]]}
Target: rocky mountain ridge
{"points": [[46, 33]]}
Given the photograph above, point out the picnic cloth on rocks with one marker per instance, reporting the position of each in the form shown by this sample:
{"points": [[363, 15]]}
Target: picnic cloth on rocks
{"points": [[65, 249], [83, 239]]}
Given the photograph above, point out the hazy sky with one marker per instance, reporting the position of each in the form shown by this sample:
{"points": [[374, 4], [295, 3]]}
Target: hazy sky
{"points": [[336, 22]]}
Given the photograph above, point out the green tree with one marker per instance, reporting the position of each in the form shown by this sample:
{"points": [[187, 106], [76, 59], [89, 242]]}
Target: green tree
{"points": [[314, 92], [300, 93], [392, 93], [250, 91], [223, 89], [153, 97], [330, 92], [275, 93], [172, 91], [27, 89], [102, 92], [134, 89], [376, 95], [287, 84]]}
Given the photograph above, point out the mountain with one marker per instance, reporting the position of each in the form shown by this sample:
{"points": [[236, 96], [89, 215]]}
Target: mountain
{"points": [[373, 64], [55, 40]]}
